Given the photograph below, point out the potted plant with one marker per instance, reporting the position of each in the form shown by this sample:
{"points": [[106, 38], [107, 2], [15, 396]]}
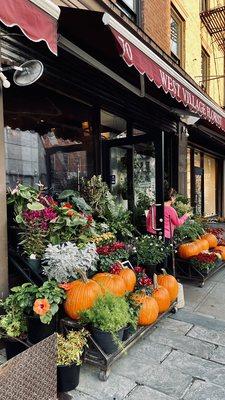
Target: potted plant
{"points": [[13, 328], [107, 318], [150, 251], [39, 306], [69, 359]]}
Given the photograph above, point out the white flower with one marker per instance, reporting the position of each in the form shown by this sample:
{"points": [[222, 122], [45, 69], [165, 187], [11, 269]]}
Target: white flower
{"points": [[160, 237], [33, 257]]}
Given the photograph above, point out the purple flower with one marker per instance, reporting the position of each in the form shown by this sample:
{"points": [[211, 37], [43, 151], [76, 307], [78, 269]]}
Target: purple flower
{"points": [[49, 214]]}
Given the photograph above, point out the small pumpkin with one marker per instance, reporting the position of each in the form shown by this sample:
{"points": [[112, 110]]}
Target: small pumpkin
{"points": [[81, 295], [170, 283], [188, 250], [110, 283], [211, 239], [161, 295], [149, 309], [221, 250], [129, 278], [203, 244]]}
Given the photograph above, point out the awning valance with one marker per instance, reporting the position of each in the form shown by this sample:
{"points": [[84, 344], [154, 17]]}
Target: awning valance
{"points": [[37, 19], [135, 53]]}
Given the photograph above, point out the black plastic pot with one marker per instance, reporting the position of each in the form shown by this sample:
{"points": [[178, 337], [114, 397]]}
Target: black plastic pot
{"points": [[35, 265], [67, 377], [127, 332], [105, 339], [13, 348], [37, 331]]}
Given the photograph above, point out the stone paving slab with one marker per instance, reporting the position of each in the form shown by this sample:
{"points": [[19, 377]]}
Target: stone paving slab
{"points": [[205, 391], [195, 295], [175, 325], [165, 380], [183, 343], [199, 319], [219, 355], [145, 351], [213, 304], [196, 367], [115, 388], [146, 393], [132, 368], [76, 395], [207, 335]]}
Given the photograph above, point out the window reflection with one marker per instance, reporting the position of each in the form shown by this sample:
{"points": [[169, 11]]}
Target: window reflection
{"points": [[112, 126]]}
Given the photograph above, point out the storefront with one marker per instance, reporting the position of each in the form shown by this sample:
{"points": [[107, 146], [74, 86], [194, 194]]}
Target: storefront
{"points": [[91, 114]]}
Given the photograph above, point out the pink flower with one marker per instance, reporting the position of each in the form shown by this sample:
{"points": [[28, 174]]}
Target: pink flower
{"points": [[49, 213]]}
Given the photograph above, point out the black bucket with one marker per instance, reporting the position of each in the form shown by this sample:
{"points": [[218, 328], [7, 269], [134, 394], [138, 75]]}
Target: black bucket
{"points": [[105, 339], [13, 348], [67, 377], [37, 331]]}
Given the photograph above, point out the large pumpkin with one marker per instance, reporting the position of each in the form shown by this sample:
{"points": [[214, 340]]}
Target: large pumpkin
{"points": [[110, 283], [149, 309], [221, 250], [161, 295], [170, 283], [129, 278], [203, 244], [211, 239], [188, 250], [81, 296]]}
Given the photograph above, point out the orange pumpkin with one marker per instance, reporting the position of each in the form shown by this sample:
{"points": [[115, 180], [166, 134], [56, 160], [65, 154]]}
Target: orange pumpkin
{"points": [[111, 283], [188, 250], [149, 309], [203, 244], [221, 250], [170, 283], [81, 295], [161, 295], [129, 278], [211, 239]]}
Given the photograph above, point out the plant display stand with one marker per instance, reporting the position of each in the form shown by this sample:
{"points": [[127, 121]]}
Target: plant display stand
{"points": [[94, 355], [185, 270]]}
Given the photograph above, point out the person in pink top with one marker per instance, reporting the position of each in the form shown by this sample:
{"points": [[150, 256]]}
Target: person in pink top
{"points": [[171, 219]]}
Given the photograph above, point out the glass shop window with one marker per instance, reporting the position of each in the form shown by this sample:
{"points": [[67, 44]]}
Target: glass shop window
{"points": [[209, 185], [189, 173], [112, 126]]}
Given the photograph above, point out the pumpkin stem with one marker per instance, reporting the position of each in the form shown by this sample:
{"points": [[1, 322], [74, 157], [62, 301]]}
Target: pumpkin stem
{"points": [[163, 271], [119, 262], [155, 282], [82, 274]]}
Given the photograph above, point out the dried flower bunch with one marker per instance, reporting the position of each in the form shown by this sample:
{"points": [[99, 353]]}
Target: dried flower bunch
{"points": [[66, 261]]}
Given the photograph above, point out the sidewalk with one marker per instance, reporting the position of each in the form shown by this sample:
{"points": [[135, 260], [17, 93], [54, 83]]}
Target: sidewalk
{"points": [[184, 358]]}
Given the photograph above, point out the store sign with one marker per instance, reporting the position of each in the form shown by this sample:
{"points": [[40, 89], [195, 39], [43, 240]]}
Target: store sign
{"points": [[167, 78]]}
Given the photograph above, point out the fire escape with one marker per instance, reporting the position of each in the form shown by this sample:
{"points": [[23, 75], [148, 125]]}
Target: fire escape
{"points": [[214, 21]]}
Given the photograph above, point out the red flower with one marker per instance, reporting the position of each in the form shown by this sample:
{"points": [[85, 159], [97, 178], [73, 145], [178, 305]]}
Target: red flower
{"points": [[115, 268], [138, 269], [70, 213], [90, 219]]}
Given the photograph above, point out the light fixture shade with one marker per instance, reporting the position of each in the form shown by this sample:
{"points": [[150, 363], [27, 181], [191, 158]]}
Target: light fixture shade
{"points": [[190, 119]]}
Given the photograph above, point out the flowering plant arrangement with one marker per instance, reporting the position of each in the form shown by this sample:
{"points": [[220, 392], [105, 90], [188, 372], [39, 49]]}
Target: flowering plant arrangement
{"points": [[204, 260], [66, 261], [182, 205], [189, 231], [144, 283], [219, 233], [111, 253], [103, 239], [151, 250], [71, 347]]}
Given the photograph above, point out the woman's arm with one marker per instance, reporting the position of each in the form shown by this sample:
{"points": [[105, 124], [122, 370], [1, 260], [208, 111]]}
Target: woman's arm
{"points": [[175, 220]]}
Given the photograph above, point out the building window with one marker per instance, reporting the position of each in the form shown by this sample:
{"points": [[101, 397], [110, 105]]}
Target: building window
{"points": [[177, 26], [129, 7], [210, 187], [205, 65], [204, 5]]}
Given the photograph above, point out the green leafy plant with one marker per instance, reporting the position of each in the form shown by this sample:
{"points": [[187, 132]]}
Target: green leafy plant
{"points": [[151, 250], [109, 314], [143, 203], [190, 230], [182, 205], [76, 200], [54, 295], [71, 347], [96, 193]]}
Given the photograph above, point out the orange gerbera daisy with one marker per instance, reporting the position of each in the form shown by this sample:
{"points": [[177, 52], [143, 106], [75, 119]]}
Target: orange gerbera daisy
{"points": [[67, 205], [70, 213], [65, 286], [41, 306]]}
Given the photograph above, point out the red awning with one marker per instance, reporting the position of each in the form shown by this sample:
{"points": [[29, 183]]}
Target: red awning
{"points": [[135, 53], [37, 19]]}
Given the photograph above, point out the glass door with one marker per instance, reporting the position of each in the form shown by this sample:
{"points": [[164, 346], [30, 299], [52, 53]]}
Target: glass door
{"points": [[198, 195]]}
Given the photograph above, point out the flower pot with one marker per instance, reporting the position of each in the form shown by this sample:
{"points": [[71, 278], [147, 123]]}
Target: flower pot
{"points": [[127, 333], [105, 339], [13, 347], [67, 377], [37, 331], [35, 265]]}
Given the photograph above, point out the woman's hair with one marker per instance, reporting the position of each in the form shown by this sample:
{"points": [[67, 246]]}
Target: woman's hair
{"points": [[169, 193]]}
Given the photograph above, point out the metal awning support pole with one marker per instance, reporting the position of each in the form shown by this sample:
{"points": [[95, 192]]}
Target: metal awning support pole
{"points": [[159, 154], [3, 208]]}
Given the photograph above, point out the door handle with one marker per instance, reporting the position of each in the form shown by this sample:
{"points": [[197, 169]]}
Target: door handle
{"points": [[153, 217]]}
